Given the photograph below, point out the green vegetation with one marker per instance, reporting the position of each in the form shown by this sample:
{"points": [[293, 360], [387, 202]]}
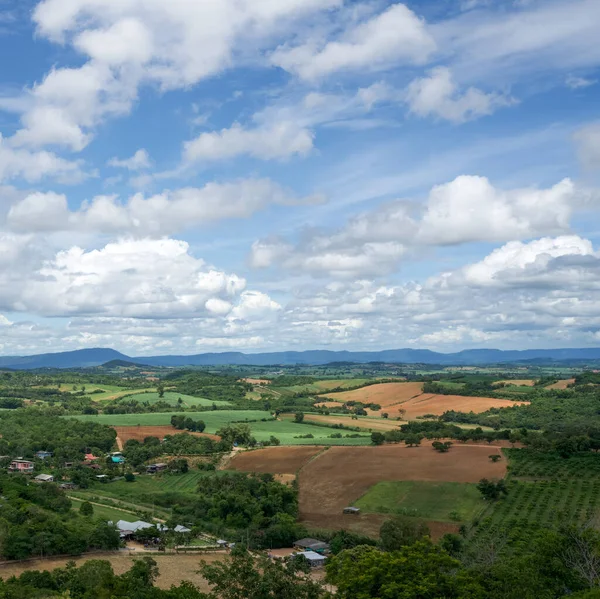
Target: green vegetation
{"points": [[438, 501], [172, 398], [102, 512]]}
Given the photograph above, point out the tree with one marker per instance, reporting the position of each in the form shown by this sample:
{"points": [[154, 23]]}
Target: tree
{"points": [[160, 388], [495, 457], [129, 477], [299, 417], [442, 447], [491, 490], [86, 509], [400, 531], [377, 438], [412, 440], [248, 577], [385, 415], [420, 571]]}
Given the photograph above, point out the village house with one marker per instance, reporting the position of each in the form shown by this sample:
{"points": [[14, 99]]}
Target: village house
{"points": [[316, 560], [154, 468], [44, 478], [312, 545], [22, 466], [43, 455]]}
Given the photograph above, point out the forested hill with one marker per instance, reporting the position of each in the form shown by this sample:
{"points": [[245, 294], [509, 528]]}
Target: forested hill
{"points": [[98, 356]]}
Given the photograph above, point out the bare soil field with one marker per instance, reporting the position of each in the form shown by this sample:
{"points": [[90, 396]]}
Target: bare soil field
{"points": [[340, 475], [139, 433], [257, 381], [329, 404], [561, 384], [274, 460], [173, 568], [518, 382], [384, 394], [438, 404]]}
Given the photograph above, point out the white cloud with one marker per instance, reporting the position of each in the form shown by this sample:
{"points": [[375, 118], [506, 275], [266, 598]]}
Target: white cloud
{"points": [[160, 214], [587, 140], [18, 163], [139, 161], [128, 278], [136, 42], [528, 263], [279, 140], [438, 95], [471, 209], [575, 82], [502, 45], [395, 36], [468, 209]]}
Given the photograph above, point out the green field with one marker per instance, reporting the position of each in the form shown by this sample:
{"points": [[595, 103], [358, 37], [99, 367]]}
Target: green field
{"points": [[105, 512], [172, 398], [146, 493], [284, 430], [439, 501]]}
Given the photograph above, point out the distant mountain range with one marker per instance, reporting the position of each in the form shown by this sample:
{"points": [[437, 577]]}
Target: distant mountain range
{"points": [[83, 358]]}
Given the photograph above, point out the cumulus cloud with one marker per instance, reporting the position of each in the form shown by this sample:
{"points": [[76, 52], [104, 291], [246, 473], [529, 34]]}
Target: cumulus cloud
{"points": [[34, 166], [275, 141], [131, 43], [438, 95], [395, 36], [468, 209], [547, 261], [139, 161], [472, 209], [575, 82], [142, 278], [159, 214]]}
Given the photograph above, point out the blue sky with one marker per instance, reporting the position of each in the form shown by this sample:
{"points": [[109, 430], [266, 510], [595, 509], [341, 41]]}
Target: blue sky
{"points": [[290, 174]]}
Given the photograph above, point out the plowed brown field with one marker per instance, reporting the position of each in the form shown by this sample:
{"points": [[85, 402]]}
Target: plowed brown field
{"points": [[340, 475], [561, 384], [274, 460], [139, 433], [384, 394]]}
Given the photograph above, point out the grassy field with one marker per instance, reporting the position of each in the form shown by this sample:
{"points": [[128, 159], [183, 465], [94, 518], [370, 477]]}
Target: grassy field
{"points": [[326, 385], [285, 430], [440, 501], [172, 398], [105, 512]]}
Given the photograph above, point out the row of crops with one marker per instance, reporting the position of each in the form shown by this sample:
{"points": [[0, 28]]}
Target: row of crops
{"points": [[526, 463], [552, 492]]}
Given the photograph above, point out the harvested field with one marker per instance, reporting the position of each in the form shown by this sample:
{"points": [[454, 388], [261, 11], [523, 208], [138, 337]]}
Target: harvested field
{"points": [[561, 384], [328, 404], [438, 404], [274, 460], [517, 382], [139, 433], [340, 475], [257, 381], [376, 424], [173, 568], [384, 394]]}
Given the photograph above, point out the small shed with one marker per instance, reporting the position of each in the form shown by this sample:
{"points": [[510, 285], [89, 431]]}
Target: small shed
{"points": [[44, 478], [154, 468], [316, 560]]}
